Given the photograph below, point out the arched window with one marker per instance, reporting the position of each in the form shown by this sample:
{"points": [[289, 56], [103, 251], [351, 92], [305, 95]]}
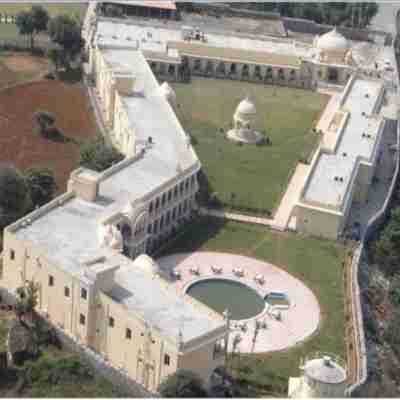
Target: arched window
{"points": [[126, 231], [151, 207], [171, 69]]}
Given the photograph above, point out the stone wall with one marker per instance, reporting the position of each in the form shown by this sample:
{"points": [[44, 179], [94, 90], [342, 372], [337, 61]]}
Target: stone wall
{"points": [[373, 225], [102, 366]]}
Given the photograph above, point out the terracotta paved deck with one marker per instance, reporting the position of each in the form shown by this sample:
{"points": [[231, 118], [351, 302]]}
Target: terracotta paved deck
{"points": [[297, 323]]}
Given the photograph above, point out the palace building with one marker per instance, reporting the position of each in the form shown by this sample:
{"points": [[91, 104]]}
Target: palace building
{"points": [[88, 250]]}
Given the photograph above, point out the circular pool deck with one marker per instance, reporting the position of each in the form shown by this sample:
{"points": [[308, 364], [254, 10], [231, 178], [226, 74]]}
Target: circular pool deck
{"points": [[297, 322]]}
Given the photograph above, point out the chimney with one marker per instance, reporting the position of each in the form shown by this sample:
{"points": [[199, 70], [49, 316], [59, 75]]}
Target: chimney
{"points": [[84, 183], [124, 84]]}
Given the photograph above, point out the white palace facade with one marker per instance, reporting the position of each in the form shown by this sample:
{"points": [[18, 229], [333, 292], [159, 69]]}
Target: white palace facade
{"points": [[87, 249]]}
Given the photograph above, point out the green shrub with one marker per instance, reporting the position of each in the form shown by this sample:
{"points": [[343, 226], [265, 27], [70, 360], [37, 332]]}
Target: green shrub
{"points": [[97, 156]]}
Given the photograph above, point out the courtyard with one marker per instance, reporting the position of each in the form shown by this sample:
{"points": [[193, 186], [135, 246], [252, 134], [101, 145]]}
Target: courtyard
{"points": [[20, 143], [249, 178], [317, 263], [245, 286]]}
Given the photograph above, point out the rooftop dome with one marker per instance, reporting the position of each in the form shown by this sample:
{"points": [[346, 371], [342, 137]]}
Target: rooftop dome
{"points": [[332, 41], [147, 264], [167, 92], [246, 106], [110, 236], [325, 370]]}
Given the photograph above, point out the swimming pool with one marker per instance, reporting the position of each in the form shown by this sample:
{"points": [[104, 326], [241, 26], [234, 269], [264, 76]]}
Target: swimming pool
{"points": [[242, 301]]}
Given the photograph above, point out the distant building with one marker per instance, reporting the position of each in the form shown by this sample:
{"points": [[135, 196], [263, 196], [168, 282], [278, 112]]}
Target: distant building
{"points": [[163, 9]]}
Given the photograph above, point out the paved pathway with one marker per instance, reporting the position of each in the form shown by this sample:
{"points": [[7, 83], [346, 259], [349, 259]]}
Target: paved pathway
{"points": [[291, 196], [297, 323]]}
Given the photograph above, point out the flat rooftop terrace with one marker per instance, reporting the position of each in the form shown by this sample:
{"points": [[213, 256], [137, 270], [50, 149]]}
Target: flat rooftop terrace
{"points": [[68, 236], [322, 187], [155, 38], [232, 54], [161, 305], [149, 115]]}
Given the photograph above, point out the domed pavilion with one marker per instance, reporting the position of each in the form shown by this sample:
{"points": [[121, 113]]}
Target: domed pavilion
{"points": [[244, 122]]}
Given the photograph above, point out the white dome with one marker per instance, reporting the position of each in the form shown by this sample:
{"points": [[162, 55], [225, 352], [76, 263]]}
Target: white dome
{"points": [[167, 92], [246, 106], [332, 41], [147, 264], [110, 236]]}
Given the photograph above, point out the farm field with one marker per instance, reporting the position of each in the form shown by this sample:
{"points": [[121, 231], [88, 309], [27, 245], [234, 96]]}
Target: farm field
{"points": [[22, 146], [256, 175], [316, 262], [55, 8], [19, 67]]}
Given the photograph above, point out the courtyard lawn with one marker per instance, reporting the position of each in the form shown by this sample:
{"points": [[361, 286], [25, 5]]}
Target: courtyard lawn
{"points": [[257, 175], [318, 263]]}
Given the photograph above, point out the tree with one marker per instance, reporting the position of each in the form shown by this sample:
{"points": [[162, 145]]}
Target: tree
{"points": [[56, 56], [42, 185], [95, 155], [15, 199], [45, 121], [27, 300], [66, 32], [386, 250], [26, 25], [184, 384], [32, 22], [113, 11]]}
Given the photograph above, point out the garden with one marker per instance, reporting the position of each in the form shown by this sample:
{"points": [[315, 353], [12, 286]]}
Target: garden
{"points": [[249, 178]]}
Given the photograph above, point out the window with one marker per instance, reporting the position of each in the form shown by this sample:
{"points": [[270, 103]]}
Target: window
{"points": [[66, 291], [12, 254], [149, 228], [166, 359], [82, 319], [51, 280], [128, 333], [83, 294], [111, 322]]}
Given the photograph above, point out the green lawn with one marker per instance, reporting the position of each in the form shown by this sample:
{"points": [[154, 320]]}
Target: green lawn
{"points": [[258, 175], [72, 9], [318, 263]]}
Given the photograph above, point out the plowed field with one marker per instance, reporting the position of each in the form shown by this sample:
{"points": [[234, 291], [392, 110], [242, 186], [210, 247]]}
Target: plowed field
{"points": [[22, 146]]}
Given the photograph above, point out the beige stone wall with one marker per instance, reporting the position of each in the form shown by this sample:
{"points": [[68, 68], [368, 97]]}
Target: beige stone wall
{"points": [[144, 356], [30, 264], [202, 360], [318, 222]]}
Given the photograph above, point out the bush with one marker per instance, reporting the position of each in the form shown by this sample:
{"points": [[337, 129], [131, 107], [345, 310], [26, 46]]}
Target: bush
{"points": [[97, 156], [42, 185], [15, 200], [183, 384]]}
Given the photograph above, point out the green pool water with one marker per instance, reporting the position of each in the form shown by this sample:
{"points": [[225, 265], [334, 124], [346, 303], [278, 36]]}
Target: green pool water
{"points": [[222, 294]]}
